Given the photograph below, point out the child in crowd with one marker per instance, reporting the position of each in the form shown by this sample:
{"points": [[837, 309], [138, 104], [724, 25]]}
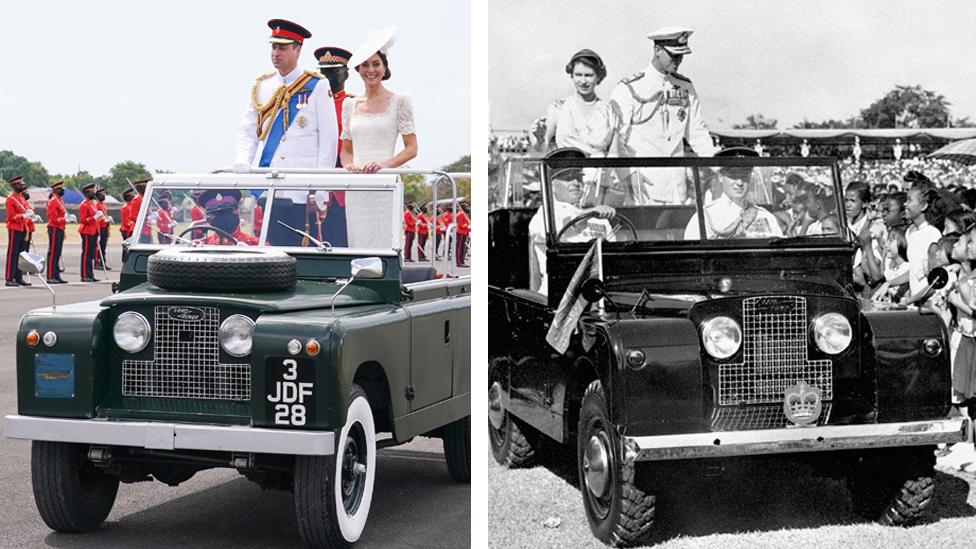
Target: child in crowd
{"points": [[960, 297], [895, 267], [964, 364]]}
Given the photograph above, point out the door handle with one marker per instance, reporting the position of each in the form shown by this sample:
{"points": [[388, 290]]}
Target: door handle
{"points": [[447, 332]]}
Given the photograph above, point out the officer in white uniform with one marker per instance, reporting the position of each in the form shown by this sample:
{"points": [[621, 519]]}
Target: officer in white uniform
{"points": [[658, 109], [733, 215], [290, 121]]}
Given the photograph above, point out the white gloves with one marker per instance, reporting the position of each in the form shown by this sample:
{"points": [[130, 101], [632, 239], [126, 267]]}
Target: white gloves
{"points": [[111, 219], [153, 216], [242, 168], [37, 219], [71, 218], [241, 243], [28, 213], [99, 214]]}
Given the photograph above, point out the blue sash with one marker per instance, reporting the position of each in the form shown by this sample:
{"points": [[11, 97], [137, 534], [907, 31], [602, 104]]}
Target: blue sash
{"points": [[278, 126]]}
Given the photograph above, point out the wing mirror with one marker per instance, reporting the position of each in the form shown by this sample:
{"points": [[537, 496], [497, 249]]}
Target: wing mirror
{"points": [[937, 278], [361, 269], [593, 289], [34, 264]]}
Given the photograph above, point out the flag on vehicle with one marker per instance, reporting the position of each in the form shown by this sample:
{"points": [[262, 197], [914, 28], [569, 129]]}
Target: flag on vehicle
{"points": [[572, 304]]}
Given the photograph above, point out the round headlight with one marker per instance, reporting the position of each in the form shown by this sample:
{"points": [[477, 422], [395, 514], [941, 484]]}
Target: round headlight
{"points": [[235, 335], [131, 332], [721, 336], [832, 333]]}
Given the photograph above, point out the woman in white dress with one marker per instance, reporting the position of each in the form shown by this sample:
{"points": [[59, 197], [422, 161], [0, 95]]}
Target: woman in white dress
{"points": [[370, 127], [371, 123]]}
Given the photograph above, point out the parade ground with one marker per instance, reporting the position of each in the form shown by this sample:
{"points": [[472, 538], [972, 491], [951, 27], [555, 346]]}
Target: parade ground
{"points": [[216, 508], [764, 504]]}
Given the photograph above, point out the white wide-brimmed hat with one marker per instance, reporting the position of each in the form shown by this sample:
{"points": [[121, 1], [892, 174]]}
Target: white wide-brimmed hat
{"points": [[378, 41]]}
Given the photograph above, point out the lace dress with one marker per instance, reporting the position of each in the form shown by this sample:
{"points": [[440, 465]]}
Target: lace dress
{"points": [[374, 138]]}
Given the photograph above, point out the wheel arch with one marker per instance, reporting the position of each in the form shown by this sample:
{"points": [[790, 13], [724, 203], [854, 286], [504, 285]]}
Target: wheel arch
{"points": [[371, 376]]}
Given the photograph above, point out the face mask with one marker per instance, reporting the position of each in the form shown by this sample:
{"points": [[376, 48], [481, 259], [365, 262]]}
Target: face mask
{"points": [[59, 192], [227, 220]]}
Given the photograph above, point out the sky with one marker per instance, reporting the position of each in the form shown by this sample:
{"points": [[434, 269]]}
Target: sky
{"points": [[786, 59], [90, 84]]}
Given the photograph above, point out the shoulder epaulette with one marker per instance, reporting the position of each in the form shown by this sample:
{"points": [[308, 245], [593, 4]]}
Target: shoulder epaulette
{"points": [[264, 77], [315, 74], [681, 77], [632, 78]]}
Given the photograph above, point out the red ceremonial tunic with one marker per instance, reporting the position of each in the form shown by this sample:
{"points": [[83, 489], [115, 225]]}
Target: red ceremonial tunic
{"points": [[258, 218], [219, 240], [103, 222], [128, 217], [197, 213], [165, 222], [86, 218], [463, 223], [423, 224], [409, 222], [15, 212], [443, 221], [28, 221], [55, 213]]}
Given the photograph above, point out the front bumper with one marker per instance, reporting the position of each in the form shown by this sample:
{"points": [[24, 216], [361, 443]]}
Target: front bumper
{"points": [[171, 436], [798, 439]]}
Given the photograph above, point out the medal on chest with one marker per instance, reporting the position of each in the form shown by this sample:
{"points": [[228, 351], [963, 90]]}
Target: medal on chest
{"points": [[302, 121]]}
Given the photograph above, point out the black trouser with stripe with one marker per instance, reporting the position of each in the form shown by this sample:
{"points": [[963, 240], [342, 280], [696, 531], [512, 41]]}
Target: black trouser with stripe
{"points": [[89, 247], [421, 244], [462, 249], [408, 251], [55, 238], [102, 243], [16, 243]]}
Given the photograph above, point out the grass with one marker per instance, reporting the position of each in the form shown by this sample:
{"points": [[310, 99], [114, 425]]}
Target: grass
{"points": [[769, 504], [71, 235]]}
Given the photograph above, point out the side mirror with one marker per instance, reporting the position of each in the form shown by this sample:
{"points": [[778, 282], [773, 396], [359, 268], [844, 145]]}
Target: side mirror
{"points": [[31, 263], [593, 290], [366, 267], [937, 278]]}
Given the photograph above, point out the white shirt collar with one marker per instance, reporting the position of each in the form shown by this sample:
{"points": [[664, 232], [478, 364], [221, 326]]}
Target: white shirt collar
{"points": [[292, 76]]}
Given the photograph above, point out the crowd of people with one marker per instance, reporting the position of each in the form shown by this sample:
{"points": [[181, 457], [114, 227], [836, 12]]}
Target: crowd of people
{"points": [[419, 222]]}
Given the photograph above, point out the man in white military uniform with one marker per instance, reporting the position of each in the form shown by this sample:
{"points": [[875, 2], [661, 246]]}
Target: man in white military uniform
{"points": [[290, 121], [657, 111], [733, 215]]}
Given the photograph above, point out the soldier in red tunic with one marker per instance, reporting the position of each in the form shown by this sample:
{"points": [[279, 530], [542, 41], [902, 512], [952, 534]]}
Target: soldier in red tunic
{"points": [[463, 230], [423, 230], [88, 218], [409, 231], [56, 223], [128, 221], [29, 227], [333, 64], [145, 236], [103, 224], [222, 212], [18, 211]]}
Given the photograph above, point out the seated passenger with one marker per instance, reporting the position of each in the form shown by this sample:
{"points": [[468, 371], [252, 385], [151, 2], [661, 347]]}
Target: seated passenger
{"points": [[222, 212], [731, 215], [567, 192]]}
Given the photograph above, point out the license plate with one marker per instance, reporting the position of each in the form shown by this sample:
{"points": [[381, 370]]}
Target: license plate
{"points": [[290, 386]]}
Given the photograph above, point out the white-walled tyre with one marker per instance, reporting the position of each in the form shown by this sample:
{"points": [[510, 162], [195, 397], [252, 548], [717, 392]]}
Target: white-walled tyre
{"points": [[333, 493]]}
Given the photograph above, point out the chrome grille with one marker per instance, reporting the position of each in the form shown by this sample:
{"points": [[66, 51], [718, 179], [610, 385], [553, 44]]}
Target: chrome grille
{"points": [[774, 349], [186, 362]]}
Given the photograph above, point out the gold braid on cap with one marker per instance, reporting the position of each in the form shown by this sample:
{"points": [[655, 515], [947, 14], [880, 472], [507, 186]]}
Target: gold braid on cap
{"points": [[279, 100]]}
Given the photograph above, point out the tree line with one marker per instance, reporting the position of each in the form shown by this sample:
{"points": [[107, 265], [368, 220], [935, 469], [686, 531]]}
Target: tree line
{"points": [[902, 107]]}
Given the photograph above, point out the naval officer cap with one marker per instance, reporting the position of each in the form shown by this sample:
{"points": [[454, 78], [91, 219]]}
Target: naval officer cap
{"points": [[737, 172], [286, 32], [565, 153], [331, 57], [673, 39]]}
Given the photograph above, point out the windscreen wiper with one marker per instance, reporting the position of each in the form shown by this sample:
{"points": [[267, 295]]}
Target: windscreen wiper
{"points": [[322, 246]]}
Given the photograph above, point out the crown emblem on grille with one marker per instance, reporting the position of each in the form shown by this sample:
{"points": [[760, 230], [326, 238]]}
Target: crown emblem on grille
{"points": [[802, 403]]}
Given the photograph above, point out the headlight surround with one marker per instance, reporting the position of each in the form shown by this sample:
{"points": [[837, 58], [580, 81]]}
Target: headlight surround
{"points": [[721, 336], [832, 333], [131, 332], [235, 335]]}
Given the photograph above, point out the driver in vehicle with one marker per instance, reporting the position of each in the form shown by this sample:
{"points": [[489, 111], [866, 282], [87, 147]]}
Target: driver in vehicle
{"points": [[567, 196], [222, 213], [732, 214]]}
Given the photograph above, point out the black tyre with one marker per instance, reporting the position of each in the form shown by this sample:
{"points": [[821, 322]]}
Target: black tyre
{"points": [[230, 269], [893, 489], [71, 494], [457, 449], [620, 513], [512, 443], [333, 493]]}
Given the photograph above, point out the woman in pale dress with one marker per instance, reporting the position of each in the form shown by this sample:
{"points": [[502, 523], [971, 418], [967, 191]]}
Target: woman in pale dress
{"points": [[371, 123], [370, 127], [581, 120]]}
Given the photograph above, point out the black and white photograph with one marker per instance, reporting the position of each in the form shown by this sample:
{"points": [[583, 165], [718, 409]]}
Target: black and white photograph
{"points": [[731, 251]]}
